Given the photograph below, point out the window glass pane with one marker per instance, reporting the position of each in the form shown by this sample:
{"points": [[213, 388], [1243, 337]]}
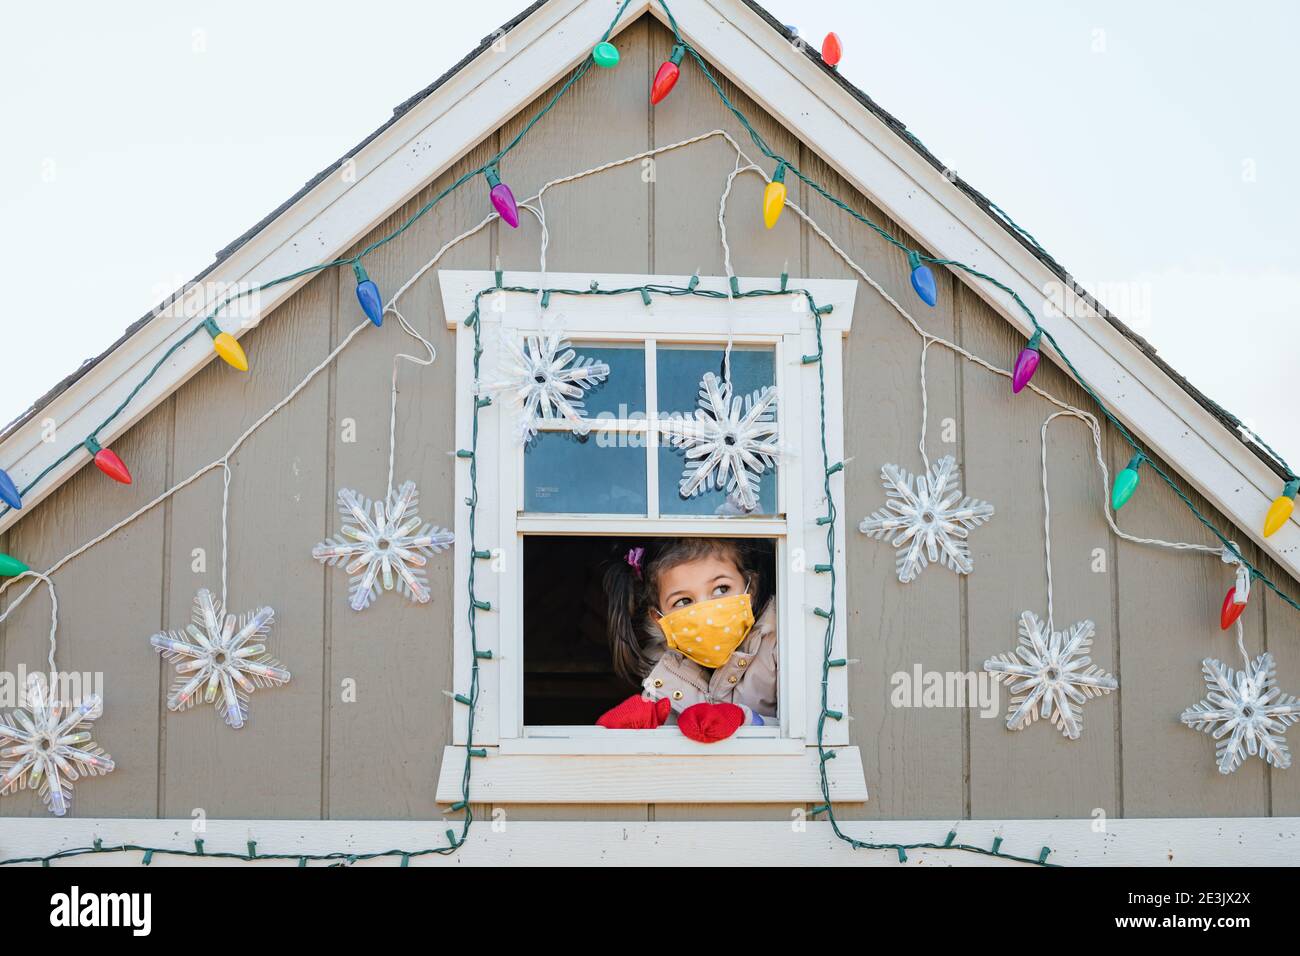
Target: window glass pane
{"points": [[680, 370], [625, 385], [672, 463], [592, 475], [681, 367]]}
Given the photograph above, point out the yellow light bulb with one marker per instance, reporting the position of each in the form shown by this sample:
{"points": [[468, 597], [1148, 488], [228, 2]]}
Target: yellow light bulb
{"points": [[229, 349], [773, 202], [1278, 513]]}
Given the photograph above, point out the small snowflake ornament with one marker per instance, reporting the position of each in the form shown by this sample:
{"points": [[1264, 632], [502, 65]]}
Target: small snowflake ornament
{"points": [[545, 379], [1050, 675], [729, 442], [927, 519], [45, 750], [383, 544], [1248, 709], [217, 660]]}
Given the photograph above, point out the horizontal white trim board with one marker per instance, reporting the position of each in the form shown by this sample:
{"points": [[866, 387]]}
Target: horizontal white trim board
{"points": [[1226, 841], [670, 315], [708, 777]]}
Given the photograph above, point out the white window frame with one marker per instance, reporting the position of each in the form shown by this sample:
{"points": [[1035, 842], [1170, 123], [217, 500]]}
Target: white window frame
{"points": [[525, 761]]}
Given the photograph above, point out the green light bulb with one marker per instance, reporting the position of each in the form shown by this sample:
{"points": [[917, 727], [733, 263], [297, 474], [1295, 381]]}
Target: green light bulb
{"points": [[1126, 483]]}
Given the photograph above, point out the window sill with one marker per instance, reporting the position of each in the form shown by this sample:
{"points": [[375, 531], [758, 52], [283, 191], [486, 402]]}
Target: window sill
{"points": [[665, 741], [743, 776]]}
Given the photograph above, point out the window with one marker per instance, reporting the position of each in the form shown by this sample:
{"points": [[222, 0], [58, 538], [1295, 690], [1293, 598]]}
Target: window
{"points": [[550, 508]]}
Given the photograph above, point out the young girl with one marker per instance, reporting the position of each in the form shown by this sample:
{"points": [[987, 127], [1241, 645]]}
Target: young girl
{"points": [[681, 623]]}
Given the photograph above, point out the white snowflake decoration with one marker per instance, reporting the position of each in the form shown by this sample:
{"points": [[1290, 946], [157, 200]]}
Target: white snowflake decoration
{"points": [[1050, 676], [390, 546], [729, 442], [216, 660], [545, 379], [1247, 705], [928, 518], [46, 751]]}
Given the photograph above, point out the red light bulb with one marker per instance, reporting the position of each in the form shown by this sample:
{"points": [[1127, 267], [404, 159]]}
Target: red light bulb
{"points": [[666, 77], [1231, 610], [832, 49], [108, 462]]}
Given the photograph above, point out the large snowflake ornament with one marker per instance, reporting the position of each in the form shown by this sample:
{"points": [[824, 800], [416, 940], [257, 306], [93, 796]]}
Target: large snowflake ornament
{"points": [[545, 379], [1050, 675], [383, 544], [926, 518], [729, 441], [220, 658], [1247, 708], [45, 750]]}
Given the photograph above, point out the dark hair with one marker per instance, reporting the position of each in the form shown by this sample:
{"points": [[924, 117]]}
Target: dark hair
{"points": [[632, 596]]}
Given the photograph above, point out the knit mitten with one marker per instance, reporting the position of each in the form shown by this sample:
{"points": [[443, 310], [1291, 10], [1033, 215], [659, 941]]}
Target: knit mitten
{"points": [[709, 723], [636, 713]]}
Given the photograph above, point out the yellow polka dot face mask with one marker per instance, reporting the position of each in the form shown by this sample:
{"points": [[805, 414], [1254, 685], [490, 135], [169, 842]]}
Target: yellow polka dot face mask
{"points": [[708, 632]]}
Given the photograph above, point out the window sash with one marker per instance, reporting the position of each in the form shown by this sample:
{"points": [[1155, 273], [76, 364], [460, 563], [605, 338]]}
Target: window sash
{"points": [[650, 427]]}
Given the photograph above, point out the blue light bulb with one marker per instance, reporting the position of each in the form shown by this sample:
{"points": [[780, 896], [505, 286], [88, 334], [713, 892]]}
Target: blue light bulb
{"points": [[923, 280], [372, 304], [9, 491]]}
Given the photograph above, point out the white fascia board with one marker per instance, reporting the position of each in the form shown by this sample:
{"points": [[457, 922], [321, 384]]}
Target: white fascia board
{"points": [[879, 164], [1164, 842]]}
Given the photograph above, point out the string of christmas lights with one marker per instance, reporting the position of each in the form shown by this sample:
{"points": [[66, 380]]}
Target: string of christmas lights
{"points": [[502, 201]]}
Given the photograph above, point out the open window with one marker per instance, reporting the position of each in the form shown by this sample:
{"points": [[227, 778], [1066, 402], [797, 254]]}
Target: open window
{"points": [[552, 510]]}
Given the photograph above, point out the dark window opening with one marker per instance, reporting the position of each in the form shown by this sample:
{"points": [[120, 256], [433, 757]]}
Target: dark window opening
{"points": [[568, 675]]}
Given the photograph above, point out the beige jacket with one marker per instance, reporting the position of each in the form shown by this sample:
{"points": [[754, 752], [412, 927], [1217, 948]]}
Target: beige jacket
{"points": [[748, 678]]}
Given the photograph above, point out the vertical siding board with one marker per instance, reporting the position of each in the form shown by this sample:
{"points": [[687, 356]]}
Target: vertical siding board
{"points": [[108, 607], [1169, 615], [1034, 772], [689, 181], [383, 749], [598, 223], [1282, 624], [913, 755], [271, 767]]}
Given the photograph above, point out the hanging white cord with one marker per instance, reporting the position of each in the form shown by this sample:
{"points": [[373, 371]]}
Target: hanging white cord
{"points": [[1047, 522], [392, 407], [925, 405], [726, 260], [1241, 645], [1095, 428], [54, 611]]}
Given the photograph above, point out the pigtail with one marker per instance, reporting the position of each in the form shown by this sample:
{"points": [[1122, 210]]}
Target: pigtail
{"points": [[623, 589]]}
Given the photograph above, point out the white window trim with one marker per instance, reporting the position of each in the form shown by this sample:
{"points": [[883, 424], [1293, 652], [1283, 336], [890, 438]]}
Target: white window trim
{"points": [[551, 763]]}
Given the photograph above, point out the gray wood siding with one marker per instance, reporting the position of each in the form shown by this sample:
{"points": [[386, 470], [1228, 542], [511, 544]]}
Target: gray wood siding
{"points": [[308, 753]]}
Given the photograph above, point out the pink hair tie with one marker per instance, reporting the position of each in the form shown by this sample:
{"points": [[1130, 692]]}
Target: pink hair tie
{"points": [[633, 558]]}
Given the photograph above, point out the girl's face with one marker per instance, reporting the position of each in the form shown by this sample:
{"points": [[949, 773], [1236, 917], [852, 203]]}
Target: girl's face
{"points": [[701, 579]]}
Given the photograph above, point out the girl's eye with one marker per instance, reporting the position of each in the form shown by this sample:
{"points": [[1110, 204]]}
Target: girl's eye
{"points": [[681, 602], [721, 589]]}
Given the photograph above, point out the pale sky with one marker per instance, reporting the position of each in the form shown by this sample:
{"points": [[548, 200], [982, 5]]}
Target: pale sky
{"points": [[1150, 147]]}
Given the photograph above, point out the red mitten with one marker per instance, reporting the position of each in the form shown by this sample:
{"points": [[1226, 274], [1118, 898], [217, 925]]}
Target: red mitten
{"points": [[636, 713], [709, 723]]}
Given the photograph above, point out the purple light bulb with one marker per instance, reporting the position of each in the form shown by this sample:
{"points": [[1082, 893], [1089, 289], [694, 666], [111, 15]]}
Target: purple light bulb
{"points": [[1026, 363], [503, 200]]}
